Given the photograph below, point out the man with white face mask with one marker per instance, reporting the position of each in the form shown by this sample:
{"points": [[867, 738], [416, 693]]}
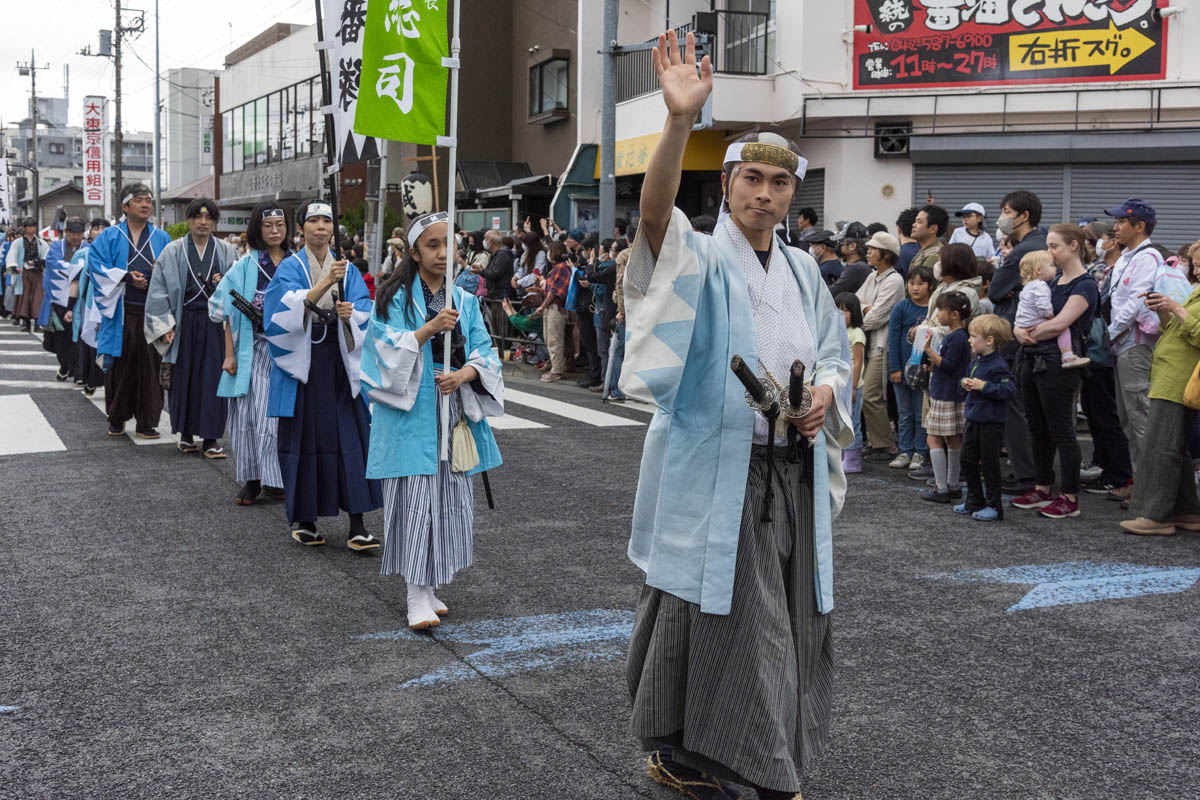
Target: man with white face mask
{"points": [[1020, 213]]}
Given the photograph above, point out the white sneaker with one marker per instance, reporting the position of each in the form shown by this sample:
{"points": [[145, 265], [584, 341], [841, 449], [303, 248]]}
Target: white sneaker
{"points": [[901, 461], [1072, 361], [1089, 472], [918, 461], [421, 615]]}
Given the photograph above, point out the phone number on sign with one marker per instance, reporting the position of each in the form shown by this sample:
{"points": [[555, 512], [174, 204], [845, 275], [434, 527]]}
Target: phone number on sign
{"points": [[959, 41]]}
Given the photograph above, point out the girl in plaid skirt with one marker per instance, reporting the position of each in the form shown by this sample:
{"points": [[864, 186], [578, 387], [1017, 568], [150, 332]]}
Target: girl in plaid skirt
{"points": [[945, 420]]}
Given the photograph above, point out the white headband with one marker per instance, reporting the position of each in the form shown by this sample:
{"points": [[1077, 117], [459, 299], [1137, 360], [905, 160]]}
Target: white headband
{"points": [[318, 210], [274, 213], [767, 154], [130, 196], [421, 224]]}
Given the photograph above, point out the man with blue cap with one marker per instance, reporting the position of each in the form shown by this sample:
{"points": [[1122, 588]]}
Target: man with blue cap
{"points": [[1132, 328]]}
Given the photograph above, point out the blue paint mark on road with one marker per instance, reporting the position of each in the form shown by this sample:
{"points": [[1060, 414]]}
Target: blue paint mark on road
{"points": [[9, 709], [521, 644], [1077, 582]]}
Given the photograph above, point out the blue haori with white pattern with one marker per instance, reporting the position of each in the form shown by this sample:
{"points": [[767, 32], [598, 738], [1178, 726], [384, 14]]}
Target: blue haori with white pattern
{"points": [[1076, 582], [522, 644]]}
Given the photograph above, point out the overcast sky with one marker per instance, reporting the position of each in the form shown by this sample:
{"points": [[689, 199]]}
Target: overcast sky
{"points": [[191, 35]]}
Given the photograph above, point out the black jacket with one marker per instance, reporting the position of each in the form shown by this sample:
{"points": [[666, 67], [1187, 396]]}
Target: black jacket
{"points": [[498, 273], [852, 277], [990, 404]]}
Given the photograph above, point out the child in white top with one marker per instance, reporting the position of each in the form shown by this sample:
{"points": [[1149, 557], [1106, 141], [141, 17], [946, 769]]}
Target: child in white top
{"points": [[1035, 305]]}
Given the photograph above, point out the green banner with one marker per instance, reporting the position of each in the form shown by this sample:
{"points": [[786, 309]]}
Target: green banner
{"points": [[402, 93]]}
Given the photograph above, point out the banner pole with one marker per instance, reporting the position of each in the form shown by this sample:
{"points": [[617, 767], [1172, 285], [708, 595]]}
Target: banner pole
{"points": [[451, 248]]}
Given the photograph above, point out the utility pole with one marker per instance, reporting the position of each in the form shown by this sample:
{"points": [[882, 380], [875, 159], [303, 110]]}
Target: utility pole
{"points": [[157, 126], [31, 69], [118, 139], [608, 122]]}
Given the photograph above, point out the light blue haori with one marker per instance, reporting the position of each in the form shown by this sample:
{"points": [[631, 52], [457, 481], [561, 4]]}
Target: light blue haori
{"points": [[60, 272], [689, 312], [108, 265], [170, 288], [288, 327], [398, 376], [16, 260], [242, 278]]}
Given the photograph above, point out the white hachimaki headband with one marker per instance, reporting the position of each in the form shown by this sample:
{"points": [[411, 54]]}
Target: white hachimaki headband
{"points": [[277, 213], [132, 195], [317, 210], [767, 154], [421, 224]]}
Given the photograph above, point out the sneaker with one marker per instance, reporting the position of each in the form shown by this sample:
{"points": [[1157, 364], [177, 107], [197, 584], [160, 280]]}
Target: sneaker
{"points": [[306, 537], [363, 541], [1187, 522], [923, 472], [1098, 486], [1016, 487], [1061, 507], [585, 382], [963, 508], [1148, 527], [1122, 494], [550, 377], [877, 454], [987, 514], [1090, 472], [934, 496], [1034, 498], [918, 461], [1072, 361], [851, 462], [901, 461]]}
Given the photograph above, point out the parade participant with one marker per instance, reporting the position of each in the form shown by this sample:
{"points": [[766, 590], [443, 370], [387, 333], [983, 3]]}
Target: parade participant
{"points": [[63, 261], [316, 338], [85, 321], [730, 666], [121, 263], [26, 258], [6, 308], [177, 324], [428, 509], [246, 373]]}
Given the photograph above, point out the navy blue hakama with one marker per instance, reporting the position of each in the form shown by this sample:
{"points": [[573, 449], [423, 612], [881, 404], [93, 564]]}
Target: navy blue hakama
{"points": [[323, 445], [192, 401]]}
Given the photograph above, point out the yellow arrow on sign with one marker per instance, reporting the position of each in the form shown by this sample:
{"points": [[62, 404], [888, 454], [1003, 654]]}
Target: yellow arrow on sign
{"points": [[1077, 47]]}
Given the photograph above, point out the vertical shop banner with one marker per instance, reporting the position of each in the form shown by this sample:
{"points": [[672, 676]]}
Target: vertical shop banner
{"points": [[949, 43], [5, 214], [344, 27], [95, 170], [404, 79]]}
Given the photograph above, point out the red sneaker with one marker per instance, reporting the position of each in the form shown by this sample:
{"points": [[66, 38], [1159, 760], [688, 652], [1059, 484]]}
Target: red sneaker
{"points": [[1034, 498], [1062, 507]]}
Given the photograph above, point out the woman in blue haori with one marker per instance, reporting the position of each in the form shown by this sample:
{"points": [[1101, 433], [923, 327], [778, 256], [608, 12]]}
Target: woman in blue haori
{"points": [[247, 366], [428, 509], [316, 315], [85, 319], [177, 324], [64, 259]]}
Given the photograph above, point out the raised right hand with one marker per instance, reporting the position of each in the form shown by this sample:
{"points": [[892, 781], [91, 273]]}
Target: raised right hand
{"points": [[684, 92]]}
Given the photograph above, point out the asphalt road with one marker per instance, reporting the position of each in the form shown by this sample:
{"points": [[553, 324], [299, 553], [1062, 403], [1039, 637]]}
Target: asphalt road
{"points": [[158, 641]]}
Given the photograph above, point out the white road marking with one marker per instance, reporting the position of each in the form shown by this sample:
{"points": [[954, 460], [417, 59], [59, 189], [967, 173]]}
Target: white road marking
{"points": [[37, 385], [510, 423], [31, 352], [30, 366], [26, 429], [636, 406], [568, 410]]}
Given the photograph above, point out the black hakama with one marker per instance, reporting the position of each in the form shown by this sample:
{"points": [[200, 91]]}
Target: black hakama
{"points": [[195, 408], [131, 387]]}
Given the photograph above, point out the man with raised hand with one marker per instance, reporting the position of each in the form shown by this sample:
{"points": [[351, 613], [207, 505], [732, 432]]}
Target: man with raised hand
{"points": [[730, 666]]}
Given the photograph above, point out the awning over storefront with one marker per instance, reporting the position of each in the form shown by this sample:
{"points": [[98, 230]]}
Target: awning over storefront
{"points": [[577, 183], [705, 151], [474, 176]]}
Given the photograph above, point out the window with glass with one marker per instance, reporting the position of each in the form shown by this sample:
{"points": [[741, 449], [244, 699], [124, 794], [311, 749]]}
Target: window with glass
{"points": [[275, 127], [548, 86]]}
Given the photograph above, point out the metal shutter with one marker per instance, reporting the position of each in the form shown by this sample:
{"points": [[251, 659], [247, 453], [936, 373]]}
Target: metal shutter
{"points": [[1170, 188], [954, 186], [811, 194]]}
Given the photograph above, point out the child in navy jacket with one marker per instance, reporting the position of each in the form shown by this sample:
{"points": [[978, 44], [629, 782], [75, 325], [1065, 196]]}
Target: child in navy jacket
{"points": [[944, 422], [989, 386]]}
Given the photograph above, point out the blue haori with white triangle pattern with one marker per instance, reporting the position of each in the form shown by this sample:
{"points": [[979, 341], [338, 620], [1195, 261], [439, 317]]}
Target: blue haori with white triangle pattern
{"points": [[689, 311]]}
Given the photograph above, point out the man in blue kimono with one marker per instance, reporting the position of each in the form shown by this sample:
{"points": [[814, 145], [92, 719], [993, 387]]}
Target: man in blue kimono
{"points": [[120, 263], [730, 665]]}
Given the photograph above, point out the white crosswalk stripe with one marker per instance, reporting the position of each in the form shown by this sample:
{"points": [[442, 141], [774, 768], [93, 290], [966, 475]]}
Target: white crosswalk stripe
{"points": [[26, 429], [569, 410]]}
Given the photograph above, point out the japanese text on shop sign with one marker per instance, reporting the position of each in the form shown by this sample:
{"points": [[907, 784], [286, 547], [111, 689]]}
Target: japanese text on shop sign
{"points": [[94, 123], [995, 42]]}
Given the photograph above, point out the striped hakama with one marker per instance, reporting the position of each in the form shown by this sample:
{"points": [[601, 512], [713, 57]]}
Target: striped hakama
{"points": [[323, 445], [195, 408], [252, 433], [745, 696], [428, 520]]}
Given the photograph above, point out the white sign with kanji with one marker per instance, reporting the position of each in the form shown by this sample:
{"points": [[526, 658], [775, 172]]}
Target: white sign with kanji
{"points": [[96, 191]]}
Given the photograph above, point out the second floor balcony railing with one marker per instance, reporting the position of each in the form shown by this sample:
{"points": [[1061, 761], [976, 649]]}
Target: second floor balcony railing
{"points": [[735, 41]]}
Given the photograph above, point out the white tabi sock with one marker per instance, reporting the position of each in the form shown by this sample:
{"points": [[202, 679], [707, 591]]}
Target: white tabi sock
{"points": [[937, 457], [436, 604], [952, 454], [420, 608]]}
